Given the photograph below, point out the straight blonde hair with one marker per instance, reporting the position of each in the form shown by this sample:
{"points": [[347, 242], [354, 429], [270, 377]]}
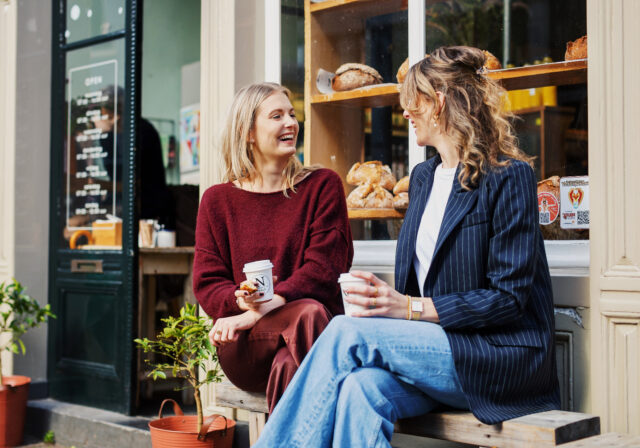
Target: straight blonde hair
{"points": [[238, 152], [473, 113]]}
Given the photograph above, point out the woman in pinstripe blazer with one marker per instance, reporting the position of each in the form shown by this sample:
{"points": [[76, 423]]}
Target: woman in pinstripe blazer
{"points": [[470, 321]]}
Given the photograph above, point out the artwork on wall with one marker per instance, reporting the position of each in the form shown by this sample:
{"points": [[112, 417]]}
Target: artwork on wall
{"points": [[189, 141]]}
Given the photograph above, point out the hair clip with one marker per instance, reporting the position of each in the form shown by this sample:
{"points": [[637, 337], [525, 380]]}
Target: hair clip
{"points": [[482, 70]]}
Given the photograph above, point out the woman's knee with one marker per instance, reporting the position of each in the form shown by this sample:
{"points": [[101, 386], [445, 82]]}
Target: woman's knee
{"points": [[311, 309]]}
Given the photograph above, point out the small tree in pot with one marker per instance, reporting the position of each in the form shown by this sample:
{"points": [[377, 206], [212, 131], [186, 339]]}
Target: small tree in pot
{"points": [[183, 347], [18, 314]]}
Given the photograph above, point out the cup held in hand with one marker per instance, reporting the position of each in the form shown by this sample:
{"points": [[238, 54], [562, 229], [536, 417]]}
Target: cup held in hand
{"points": [[347, 280], [261, 273]]}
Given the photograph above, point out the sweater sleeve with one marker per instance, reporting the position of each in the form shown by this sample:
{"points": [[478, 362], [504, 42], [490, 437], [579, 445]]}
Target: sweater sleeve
{"points": [[512, 256], [213, 283], [328, 253]]}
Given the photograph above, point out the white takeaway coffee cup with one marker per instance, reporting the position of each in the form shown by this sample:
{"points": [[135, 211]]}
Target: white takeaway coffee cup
{"points": [[346, 280], [261, 273]]}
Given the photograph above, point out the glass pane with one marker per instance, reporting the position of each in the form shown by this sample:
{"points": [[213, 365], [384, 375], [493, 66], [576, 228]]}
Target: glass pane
{"points": [[94, 147], [90, 18], [552, 120]]}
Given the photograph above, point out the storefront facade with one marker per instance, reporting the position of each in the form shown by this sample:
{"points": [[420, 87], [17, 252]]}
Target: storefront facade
{"points": [[597, 279]]}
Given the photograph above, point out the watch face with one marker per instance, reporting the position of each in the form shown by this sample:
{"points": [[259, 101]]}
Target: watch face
{"points": [[416, 305]]}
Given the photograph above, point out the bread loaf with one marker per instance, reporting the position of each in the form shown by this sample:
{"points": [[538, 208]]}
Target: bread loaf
{"points": [[401, 186], [379, 198], [351, 76], [492, 62], [372, 172], [576, 49], [357, 197], [401, 200]]}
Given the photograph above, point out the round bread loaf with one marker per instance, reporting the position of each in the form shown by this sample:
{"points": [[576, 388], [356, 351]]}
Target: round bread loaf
{"points": [[402, 185], [372, 172], [379, 198], [352, 76], [401, 200], [356, 198], [492, 62]]}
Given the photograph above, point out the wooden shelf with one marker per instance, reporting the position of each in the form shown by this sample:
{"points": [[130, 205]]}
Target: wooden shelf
{"points": [[370, 96], [362, 9], [554, 73], [375, 213]]}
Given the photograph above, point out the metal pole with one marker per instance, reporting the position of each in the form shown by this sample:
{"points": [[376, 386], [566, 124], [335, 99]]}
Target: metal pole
{"points": [[507, 33]]}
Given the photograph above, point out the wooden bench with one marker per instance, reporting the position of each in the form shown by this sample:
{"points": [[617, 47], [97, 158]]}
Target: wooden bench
{"points": [[544, 429]]}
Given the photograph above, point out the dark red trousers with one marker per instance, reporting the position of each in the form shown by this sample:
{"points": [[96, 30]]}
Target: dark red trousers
{"points": [[264, 358]]}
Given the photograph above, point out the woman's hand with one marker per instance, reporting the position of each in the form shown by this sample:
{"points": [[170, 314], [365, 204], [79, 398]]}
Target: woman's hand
{"points": [[226, 329], [378, 297]]}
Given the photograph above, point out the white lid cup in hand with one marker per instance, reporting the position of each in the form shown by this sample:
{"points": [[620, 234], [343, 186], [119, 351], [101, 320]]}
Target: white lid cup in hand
{"points": [[346, 281], [261, 273]]}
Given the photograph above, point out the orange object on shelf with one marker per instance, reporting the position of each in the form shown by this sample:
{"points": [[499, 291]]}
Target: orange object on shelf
{"points": [[107, 233]]}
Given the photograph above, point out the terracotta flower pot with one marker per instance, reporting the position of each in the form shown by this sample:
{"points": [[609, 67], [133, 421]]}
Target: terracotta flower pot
{"points": [[179, 431], [13, 407]]}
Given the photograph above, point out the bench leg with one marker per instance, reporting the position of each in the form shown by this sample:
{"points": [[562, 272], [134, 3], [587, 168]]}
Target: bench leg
{"points": [[256, 423]]}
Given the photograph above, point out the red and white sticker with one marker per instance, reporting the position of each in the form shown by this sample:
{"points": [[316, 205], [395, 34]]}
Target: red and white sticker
{"points": [[574, 202], [548, 208]]}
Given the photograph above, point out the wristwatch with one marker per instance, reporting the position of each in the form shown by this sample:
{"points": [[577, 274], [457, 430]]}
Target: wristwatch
{"points": [[417, 307]]}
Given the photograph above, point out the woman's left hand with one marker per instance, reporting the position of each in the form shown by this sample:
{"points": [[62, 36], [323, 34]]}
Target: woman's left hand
{"points": [[380, 299]]}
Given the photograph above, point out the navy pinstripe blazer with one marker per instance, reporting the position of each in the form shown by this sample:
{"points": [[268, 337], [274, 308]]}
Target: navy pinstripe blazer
{"points": [[490, 284]]}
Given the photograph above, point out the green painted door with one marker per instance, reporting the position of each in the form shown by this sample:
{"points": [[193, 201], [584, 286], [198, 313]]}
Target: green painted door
{"points": [[92, 256]]}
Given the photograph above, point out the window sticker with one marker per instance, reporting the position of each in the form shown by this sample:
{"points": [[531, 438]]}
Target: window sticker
{"points": [[574, 202], [548, 208]]}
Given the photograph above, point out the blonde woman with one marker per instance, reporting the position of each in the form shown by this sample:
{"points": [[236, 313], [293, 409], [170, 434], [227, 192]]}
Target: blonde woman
{"points": [[469, 323], [269, 207]]}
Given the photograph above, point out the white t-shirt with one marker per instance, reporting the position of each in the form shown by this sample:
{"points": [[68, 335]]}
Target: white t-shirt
{"points": [[431, 222]]}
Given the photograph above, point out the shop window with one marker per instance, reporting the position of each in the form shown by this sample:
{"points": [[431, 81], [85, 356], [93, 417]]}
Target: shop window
{"points": [[90, 18]]}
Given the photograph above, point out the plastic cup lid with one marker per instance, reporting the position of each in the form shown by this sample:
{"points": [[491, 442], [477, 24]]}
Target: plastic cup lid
{"points": [[257, 266], [347, 277]]}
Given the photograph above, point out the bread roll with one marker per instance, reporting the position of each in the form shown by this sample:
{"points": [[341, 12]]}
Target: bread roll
{"points": [[379, 198], [248, 286], [492, 62], [576, 49], [404, 68], [401, 200], [401, 186], [357, 197], [351, 76], [372, 172]]}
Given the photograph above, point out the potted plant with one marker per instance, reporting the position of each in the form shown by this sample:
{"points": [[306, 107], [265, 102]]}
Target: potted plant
{"points": [[182, 348], [18, 314]]}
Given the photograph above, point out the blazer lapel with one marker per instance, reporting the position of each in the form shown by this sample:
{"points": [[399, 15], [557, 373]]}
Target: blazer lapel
{"points": [[459, 203], [407, 239]]}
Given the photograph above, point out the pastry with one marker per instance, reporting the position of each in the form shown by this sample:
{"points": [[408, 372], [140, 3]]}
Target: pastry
{"points": [[404, 68], [401, 200], [351, 76], [248, 286], [576, 49], [401, 186], [379, 198], [492, 62], [372, 172], [357, 197]]}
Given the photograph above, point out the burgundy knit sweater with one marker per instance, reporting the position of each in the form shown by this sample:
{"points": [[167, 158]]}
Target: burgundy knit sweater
{"points": [[306, 236]]}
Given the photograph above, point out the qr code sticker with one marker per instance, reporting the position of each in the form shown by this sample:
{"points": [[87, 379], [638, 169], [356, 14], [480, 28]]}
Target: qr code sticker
{"points": [[583, 217], [545, 218]]}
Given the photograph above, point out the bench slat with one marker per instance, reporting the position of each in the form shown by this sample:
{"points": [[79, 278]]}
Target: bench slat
{"points": [[609, 440], [230, 396], [549, 428]]}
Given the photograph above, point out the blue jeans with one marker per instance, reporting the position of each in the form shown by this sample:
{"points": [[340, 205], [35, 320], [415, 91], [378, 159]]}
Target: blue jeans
{"points": [[361, 375]]}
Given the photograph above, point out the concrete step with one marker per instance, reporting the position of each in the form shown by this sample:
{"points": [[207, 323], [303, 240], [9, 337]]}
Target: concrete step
{"points": [[86, 427]]}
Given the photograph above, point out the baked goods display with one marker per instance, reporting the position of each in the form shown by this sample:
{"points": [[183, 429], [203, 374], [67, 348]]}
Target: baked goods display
{"points": [[352, 76], [576, 49], [374, 184]]}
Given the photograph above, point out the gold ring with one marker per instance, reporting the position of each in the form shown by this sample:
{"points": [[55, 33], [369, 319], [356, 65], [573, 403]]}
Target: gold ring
{"points": [[218, 331], [375, 294], [373, 302]]}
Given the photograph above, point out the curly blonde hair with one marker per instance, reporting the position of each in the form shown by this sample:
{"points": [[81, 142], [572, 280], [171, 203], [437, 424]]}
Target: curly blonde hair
{"points": [[474, 114], [237, 152]]}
